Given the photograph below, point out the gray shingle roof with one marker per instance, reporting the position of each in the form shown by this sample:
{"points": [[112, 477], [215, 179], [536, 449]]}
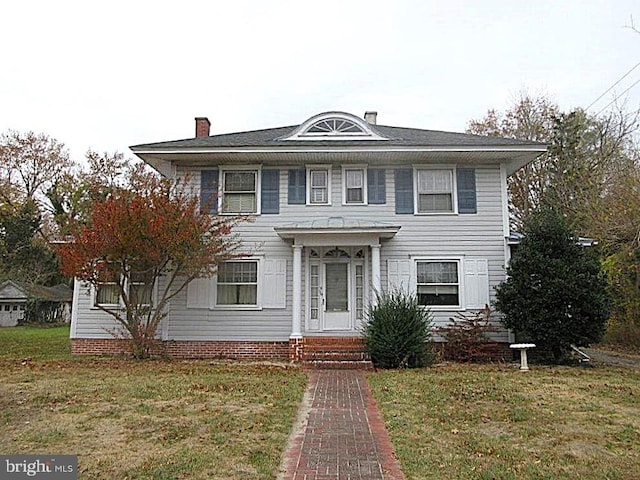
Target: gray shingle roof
{"points": [[398, 137]]}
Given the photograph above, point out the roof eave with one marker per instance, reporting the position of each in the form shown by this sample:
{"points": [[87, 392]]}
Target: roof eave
{"points": [[163, 160], [537, 149]]}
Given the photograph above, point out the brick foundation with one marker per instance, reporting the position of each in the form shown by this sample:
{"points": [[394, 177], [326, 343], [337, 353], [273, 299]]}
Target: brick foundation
{"points": [[489, 351], [187, 349], [296, 349]]}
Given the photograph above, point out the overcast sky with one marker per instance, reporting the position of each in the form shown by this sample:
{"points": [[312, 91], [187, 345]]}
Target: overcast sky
{"points": [[107, 75]]}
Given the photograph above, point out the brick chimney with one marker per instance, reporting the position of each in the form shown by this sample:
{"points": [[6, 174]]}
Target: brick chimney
{"points": [[371, 117], [203, 126]]}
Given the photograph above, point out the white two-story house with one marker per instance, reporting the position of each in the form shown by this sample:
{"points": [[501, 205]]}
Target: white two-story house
{"points": [[343, 208]]}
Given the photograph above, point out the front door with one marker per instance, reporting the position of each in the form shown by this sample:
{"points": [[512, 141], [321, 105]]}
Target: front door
{"points": [[337, 315]]}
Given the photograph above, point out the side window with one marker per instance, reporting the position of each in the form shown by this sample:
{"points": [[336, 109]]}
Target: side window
{"points": [[140, 288], [438, 283], [107, 290], [239, 191]]}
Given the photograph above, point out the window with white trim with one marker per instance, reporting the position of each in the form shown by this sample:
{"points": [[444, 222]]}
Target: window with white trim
{"points": [[107, 292], [434, 191], [438, 282], [239, 191], [319, 185], [237, 283], [354, 186], [140, 288]]}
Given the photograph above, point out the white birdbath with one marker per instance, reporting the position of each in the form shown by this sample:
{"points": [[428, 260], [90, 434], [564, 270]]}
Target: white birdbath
{"points": [[523, 347]]}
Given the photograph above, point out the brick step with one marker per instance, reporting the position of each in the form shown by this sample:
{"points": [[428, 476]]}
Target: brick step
{"points": [[333, 340], [334, 348], [338, 364], [333, 355]]}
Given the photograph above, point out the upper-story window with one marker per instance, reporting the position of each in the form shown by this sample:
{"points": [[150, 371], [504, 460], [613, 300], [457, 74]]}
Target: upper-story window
{"points": [[319, 185], [435, 191], [239, 191], [354, 186], [312, 185]]}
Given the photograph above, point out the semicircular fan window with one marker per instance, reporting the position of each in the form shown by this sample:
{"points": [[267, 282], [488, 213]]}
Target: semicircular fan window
{"points": [[335, 126]]}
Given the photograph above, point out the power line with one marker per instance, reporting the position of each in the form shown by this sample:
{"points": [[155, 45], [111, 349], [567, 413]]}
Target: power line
{"points": [[613, 86], [618, 96]]}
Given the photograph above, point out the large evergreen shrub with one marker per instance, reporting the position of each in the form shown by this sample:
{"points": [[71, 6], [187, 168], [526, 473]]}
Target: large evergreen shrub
{"points": [[555, 294], [397, 332]]}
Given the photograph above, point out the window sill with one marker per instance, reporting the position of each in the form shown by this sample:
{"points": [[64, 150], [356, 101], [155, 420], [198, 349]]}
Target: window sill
{"points": [[436, 214], [230, 214], [445, 308], [108, 306], [241, 308]]}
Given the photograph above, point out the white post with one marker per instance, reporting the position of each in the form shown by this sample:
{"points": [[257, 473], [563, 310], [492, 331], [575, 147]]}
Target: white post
{"points": [[523, 360], [296, 329], [375, 269]]}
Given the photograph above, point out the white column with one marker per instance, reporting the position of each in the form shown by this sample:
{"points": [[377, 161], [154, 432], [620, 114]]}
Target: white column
{"points": [[296, 330], [375, 268]]}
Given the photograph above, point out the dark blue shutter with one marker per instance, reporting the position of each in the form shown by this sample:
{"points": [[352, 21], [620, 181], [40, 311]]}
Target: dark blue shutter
{"points": [[209, 191], [270, 191], [404, 190], [376, 186], [466, 180], [297, 187]]}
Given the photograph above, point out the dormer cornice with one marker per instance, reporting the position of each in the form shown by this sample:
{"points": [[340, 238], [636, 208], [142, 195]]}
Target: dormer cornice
{"points": [[334, 126]]}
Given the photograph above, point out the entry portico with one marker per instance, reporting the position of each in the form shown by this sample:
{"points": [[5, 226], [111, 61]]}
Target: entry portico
{"points": [[342, 258]]}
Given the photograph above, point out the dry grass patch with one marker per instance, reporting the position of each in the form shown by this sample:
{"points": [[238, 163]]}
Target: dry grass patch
{"points": [[152, 419], [495, 422]]}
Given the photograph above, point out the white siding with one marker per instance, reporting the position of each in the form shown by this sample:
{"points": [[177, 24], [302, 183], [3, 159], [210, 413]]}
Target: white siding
{"points": [[473, 236]]}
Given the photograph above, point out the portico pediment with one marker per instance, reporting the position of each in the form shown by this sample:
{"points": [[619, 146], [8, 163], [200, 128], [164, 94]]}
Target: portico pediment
{"points": [[337, 231]]}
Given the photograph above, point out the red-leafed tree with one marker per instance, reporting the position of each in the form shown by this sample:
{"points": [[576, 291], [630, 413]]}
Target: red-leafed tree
{"points": [[141, 247]]}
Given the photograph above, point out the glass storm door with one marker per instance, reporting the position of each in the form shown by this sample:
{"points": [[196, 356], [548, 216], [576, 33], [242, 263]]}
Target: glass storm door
{"points": [[337, 315]]}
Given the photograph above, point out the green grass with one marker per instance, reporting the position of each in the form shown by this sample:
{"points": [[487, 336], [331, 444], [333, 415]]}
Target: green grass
{"points": [[495, 422], [143, 420], [35, 343]]}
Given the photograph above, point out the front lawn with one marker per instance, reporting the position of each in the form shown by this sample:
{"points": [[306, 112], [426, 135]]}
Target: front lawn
{"points": [[495, 422], [35, 343], [145, 420]]}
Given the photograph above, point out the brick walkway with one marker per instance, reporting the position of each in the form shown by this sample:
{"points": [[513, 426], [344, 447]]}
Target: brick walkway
{"points": [[342, 436]]}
